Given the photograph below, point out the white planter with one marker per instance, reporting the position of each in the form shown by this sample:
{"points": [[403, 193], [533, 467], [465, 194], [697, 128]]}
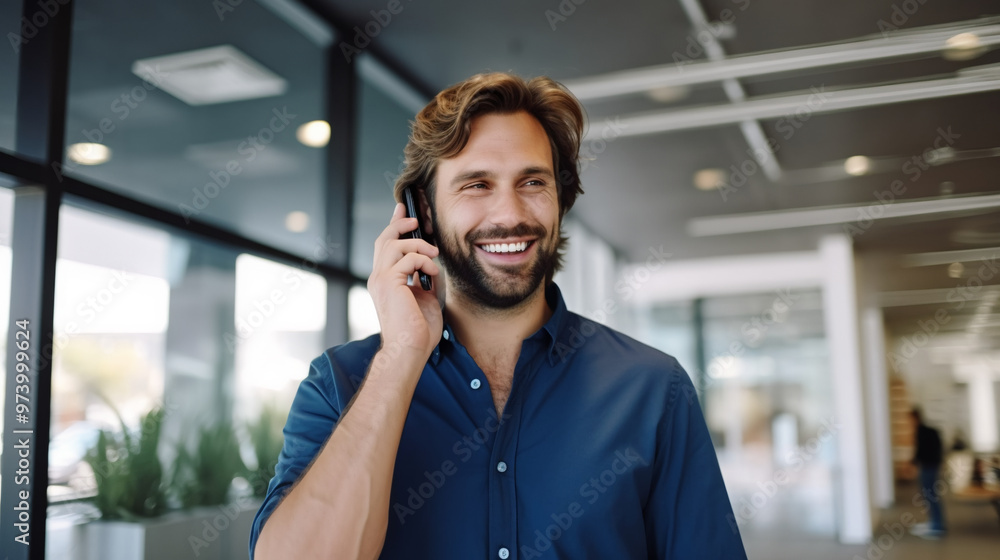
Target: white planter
{"points": [[207, 533]]}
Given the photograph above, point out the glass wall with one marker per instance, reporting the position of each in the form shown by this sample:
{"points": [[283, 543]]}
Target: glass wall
{"points": [[765, 386], [175, 354], [385, 109], [768, 404], [210, 110], [14, 32], [6, 224], [279, 328], [147, 320]]}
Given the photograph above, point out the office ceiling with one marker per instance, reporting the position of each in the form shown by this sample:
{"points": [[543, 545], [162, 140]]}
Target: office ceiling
{"points": [[639, 189]]}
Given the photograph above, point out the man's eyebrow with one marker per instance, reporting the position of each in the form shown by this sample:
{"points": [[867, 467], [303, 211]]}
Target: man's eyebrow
{"points": [[469, 175], [544, 171], [484, 174]]}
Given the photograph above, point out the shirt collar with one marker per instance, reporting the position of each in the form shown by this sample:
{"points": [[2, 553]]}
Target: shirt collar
{"points": [[550, 331]]}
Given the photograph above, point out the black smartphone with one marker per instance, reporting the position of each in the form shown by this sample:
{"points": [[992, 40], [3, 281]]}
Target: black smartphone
{"points": [[412, 212]]}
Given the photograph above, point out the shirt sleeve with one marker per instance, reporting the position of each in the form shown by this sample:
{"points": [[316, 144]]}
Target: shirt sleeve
{"points": [[315, 411], [688, 514]]}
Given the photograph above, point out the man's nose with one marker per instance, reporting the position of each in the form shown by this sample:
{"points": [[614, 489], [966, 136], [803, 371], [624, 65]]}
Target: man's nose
{"points": [[508, 208]]}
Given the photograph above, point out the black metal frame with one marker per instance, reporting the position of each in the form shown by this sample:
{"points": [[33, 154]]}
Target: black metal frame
{"points": [[41, 116]]}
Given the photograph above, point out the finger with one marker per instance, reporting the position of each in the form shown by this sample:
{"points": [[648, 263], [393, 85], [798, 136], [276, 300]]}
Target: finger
{"points": [[396, 249], [396, 229], [398, 226], [414, 262]]}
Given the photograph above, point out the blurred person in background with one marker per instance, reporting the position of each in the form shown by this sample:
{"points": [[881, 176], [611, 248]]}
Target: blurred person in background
{"points": [[927, 457]]}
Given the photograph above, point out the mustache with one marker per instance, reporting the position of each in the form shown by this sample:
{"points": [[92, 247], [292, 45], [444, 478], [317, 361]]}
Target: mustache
{"points": [[499, 232]]}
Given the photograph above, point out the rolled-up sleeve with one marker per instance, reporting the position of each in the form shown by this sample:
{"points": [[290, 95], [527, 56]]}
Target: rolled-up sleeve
{"points": [[688, 514], [315, 410]]}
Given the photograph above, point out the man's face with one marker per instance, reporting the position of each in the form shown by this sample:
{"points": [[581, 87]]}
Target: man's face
{"points": [[496, 211]]}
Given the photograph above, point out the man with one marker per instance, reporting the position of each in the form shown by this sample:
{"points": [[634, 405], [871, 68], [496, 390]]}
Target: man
{"points": [[928, 457], [501, 426]]}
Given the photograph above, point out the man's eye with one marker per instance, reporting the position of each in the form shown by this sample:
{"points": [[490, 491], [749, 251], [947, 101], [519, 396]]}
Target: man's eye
{"points": [[477, 186]]}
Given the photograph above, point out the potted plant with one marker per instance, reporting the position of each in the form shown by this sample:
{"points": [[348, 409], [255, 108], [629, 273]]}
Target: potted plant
{"points": [[132, 498], [265, 434]]}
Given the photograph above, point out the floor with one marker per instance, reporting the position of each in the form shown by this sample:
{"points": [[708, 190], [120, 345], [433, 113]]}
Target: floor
{"points": [[973, 534]]}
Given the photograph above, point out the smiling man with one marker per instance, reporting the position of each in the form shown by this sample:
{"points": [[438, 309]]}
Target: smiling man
{"points": [[499, 424]]}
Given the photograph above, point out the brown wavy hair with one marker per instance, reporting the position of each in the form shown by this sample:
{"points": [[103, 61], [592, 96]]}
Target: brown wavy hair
{"points": [[441, 130]]}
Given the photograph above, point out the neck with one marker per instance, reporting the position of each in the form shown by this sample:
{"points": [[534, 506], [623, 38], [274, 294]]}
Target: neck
{"points": [[480, 327]]}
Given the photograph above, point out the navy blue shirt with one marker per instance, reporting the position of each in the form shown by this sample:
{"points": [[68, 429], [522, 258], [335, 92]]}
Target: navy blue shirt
{"points": [[601, 452]]}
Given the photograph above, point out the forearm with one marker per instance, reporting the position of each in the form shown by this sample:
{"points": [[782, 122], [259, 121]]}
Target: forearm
{"points": [[340, 506]]}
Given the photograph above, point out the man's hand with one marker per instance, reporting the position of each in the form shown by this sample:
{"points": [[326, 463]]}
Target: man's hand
{"points": [[339, 508], [408, 315]]}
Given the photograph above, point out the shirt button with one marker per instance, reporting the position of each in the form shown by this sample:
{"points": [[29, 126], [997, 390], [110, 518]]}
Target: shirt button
{"points": [[446, 335], [504, 553], [475, 384], [501, 466]]}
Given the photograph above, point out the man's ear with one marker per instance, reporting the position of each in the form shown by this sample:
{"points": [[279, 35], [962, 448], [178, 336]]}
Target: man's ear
{"points": [[425, 208]]}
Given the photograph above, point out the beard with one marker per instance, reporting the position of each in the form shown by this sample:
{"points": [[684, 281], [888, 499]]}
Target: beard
{"points": [[504, 287]]}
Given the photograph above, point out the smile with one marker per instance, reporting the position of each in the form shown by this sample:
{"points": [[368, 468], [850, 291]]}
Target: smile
{"points": [[506, 247]]}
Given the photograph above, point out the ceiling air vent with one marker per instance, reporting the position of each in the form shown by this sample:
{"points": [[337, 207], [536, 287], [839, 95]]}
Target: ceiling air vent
{"points": [[213, 75]]}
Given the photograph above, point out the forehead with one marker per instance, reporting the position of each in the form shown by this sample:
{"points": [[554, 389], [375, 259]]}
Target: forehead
{"points": [[499, 141]]}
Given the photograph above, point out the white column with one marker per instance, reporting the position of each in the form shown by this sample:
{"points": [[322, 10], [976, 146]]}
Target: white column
{"points": [[879, 426], [840, 314], [982, 412]]}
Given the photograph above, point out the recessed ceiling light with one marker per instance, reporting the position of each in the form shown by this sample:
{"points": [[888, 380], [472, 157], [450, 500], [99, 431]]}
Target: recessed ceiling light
{"points": [[964, 46], [669, 94], [709, 179], [857, 165], [213, 75], [297, 221], [955, 270], [88, 153], [314, 134]]}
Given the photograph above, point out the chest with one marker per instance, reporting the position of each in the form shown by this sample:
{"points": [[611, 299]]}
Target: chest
{"points": [[498, 367]]}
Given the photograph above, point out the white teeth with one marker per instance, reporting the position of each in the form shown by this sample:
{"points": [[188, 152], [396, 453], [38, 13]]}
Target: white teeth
{"points": [[505, 247]]}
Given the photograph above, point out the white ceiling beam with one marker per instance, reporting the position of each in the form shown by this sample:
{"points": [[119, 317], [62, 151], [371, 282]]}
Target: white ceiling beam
{"points": [[896, 45], [818, 101], [947, 257], [824, 216], [752, 132]]}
